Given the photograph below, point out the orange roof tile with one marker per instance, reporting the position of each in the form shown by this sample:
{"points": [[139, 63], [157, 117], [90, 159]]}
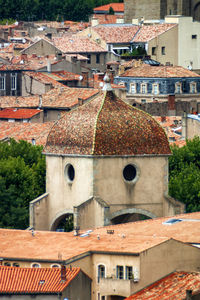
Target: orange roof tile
{"points": [[159, 72], [13, 113], [117, 7], [173, 286], [107, 19], [76, 44], [117, 33], [137, 237], [149, 32], [34, 280], [26, 131]]}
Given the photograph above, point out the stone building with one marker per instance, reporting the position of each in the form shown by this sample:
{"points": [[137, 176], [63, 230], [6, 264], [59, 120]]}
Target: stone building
{"points": [[106, 162], [158, 9]]}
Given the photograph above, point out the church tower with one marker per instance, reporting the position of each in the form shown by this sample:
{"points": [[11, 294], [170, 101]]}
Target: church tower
{"points": [[106, 163]]}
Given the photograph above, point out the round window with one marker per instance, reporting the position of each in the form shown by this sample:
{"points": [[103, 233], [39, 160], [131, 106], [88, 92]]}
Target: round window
{"points": [[129, 173], [69, 172]]}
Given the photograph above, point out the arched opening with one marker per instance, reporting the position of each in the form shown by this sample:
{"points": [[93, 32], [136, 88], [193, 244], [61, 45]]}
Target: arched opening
{"points": [[126, 218], [196, 12], [64, 223], [130, 215]]}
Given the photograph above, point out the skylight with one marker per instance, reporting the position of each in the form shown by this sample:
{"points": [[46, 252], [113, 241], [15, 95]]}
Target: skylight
{"points": [[172, 221]]}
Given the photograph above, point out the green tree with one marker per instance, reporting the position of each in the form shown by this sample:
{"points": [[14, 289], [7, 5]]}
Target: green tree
{"points": [[22, 178], [184, 174]]}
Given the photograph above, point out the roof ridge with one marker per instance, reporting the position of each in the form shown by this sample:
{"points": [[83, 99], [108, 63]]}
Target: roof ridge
{"points": [[95, 127]]}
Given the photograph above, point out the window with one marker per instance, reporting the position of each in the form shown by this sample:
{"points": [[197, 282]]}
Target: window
{"points": [[129, 173], [133, 88], [143, 88], [35, 265], [15, 265], [69, 173], [194, 36], [97, 58], [13, 82], [120, 272], [193, 87], [143, 101], [155, 89], [101, 271], [55, 266], [153, 51], [2, 83], [129, 273], [89, 59], [163, 50], [178, 89], [7, 264]]}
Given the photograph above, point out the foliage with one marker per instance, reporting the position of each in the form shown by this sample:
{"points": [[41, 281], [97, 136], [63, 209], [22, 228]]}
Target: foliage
{"points": [[22, 178], [111, 11], [184, 174], [32, 10], [7, 21], [136, 52]]}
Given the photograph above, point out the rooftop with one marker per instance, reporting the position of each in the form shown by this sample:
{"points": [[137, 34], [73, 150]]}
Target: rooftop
{"points": [[137, 237], [173, 286], [117, 7], [34, 280], [13, 113], [107, 126], [149, 71]]}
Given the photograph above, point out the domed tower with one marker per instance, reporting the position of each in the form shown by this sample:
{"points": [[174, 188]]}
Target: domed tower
{"points": [[106, 162]]}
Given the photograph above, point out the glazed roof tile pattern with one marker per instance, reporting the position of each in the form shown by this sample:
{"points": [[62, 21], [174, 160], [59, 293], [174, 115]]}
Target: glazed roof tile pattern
{"points": [[26, 131], [149, 32], [117, 34], [117, 7], [133, 238], [34, 280], [77, 44], [173, 286], [12, 113], [159, 72], [107, 126]]}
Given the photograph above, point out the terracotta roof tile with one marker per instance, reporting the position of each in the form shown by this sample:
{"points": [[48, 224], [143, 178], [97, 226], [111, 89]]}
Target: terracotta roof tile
{"points": [[117, 33], [149, 32], [159, 72], [13, 113], [107, 19], [173, 286], [34, 280], [107, 126], [137, 237], [44, 78], [76, 44], [26, 131], [117, 7]]}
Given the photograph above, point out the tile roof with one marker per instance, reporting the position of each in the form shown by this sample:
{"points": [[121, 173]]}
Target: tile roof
{"points": [[116, 33], [107, 19], [173, 286], [26, 131], [23, 102], [32, 62], [63, 75], [13, 113], [107, 126], [137, 237], [76, 44], [34, 280], [149, 32], [44, 77], [117, 7], [159, 72]]}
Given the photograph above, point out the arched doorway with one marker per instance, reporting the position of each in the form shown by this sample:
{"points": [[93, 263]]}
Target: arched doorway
{"points": [[130, 215], [63, 223]]}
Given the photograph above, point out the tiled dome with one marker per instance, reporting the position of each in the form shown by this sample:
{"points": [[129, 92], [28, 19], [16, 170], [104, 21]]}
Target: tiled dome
{"points": [[107, 126]]}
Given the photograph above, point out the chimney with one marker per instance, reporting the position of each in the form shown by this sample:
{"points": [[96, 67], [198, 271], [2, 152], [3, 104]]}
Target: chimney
{"points": [[163, 119], [171, 105], [80, 101], [48, 66], [63, 273], [85, 79], [188, 294], [76, 221], [24, 56]]}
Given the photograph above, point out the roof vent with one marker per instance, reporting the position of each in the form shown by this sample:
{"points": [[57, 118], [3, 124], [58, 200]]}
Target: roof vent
{"points": [[172, 221]]}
